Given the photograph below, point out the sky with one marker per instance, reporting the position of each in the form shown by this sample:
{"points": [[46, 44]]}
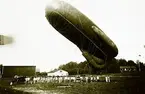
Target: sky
{"points": [[36, 42]]}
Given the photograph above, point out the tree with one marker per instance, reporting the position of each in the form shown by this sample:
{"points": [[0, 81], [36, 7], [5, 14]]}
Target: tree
{"points": [[71, 68], [83, 67], [41, 74], [113, 66], [131, 63], [140, 66], [122, 62]]}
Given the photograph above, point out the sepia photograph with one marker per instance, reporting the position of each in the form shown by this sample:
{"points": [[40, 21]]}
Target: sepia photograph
{"points": [[72, 47]]}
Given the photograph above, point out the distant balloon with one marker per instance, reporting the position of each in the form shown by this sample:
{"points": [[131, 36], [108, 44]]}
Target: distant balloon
{"points": [[4, 40], [96, 47]]}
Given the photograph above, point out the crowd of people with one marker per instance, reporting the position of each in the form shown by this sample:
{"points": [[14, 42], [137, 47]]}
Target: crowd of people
{"points": [[56, 79]]}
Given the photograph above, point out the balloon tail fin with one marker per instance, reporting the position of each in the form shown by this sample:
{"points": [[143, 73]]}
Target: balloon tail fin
{"points": [[93, 60]]}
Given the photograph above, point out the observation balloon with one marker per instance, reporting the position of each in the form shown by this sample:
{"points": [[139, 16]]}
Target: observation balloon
{"points": [[95, 45]]}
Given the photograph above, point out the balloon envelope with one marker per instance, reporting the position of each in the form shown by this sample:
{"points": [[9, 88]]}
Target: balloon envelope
{"points": [[80, 30]]}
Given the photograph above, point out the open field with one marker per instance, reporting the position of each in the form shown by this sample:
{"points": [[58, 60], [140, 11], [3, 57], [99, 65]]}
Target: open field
{"points": [[120, 84], [8, 90], [88, 88]]}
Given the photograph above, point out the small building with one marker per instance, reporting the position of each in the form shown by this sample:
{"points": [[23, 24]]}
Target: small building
{"points": [[128, 69], [58, 73], [11, 71], [1, 70]]}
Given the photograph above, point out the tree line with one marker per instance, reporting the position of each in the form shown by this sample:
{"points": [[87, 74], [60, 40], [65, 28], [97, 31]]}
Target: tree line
{"points": [[112, 66]]}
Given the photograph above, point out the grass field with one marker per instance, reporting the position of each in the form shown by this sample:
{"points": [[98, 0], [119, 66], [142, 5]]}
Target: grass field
{"points": [[8, 90], [91, 88], [118, 85]]}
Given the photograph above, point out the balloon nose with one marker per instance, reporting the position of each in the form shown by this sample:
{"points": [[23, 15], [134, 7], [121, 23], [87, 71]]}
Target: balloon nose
{"points": [[52, 5]]}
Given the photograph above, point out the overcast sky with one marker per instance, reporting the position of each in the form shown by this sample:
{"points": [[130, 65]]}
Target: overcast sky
{"points": [[36, 42]]}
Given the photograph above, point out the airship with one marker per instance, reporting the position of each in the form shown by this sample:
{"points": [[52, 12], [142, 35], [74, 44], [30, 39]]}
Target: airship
{"points": [[94, 44]]}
